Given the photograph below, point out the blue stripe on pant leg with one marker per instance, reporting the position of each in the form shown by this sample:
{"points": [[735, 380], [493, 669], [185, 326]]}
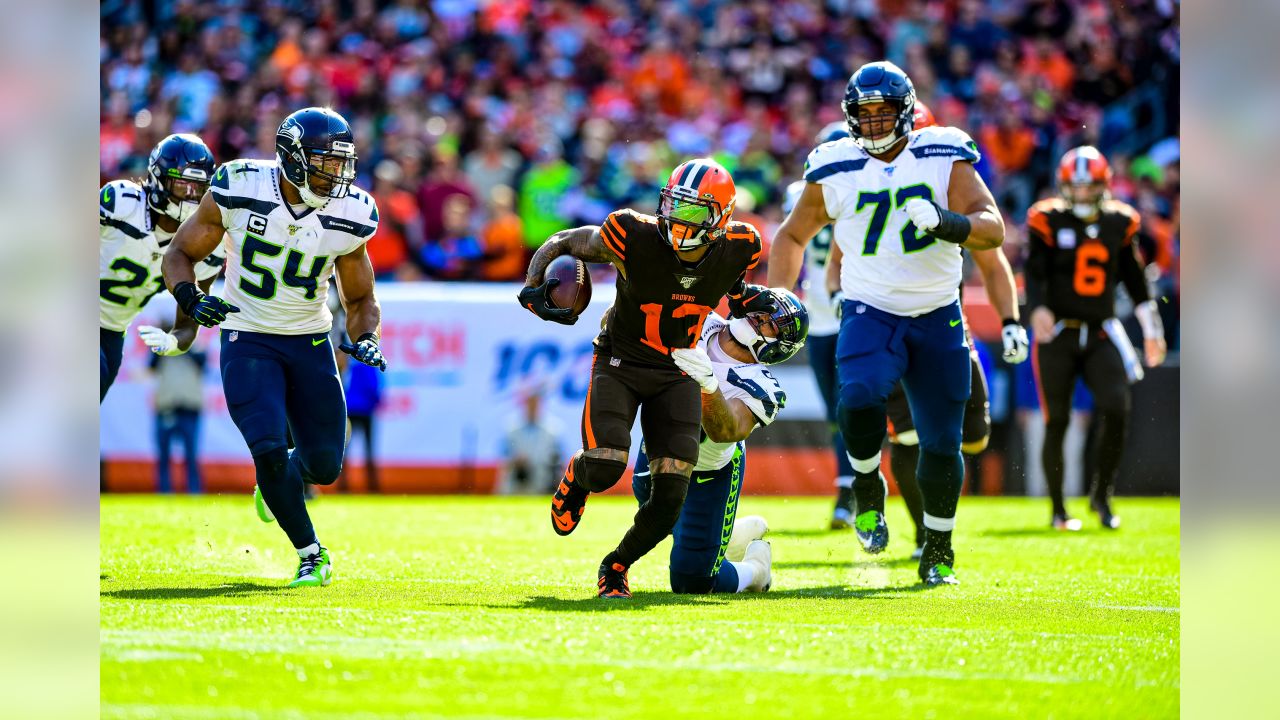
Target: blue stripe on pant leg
{"points": [[702, 534]]}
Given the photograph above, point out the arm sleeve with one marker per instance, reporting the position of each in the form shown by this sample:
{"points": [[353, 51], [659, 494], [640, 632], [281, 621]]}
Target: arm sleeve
{"points": [[1132, 274], [1038, 250]]}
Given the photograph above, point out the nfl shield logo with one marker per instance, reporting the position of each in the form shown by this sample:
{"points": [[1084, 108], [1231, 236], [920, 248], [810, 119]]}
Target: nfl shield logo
{"points": [[686, 281], [1067, 238], [293, 229], [889, 171], [233, 335]]}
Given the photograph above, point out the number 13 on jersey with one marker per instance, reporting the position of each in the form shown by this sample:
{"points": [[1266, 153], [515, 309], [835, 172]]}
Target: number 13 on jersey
{"points": [[653, 326]]}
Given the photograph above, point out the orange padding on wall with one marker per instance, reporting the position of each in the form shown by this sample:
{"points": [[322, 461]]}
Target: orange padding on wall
{"points": [[770, 471]]}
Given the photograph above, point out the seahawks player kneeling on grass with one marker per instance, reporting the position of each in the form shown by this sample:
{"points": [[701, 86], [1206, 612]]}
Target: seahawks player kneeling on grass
{"points": [[738, 394], [292, 223]]}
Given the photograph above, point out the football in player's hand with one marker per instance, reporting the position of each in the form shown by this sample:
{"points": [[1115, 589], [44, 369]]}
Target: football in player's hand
{"points": [[574, 290]]}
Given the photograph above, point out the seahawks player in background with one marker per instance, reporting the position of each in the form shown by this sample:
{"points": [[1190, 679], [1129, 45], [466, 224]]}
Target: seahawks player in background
{"points": [[738, 395], [824, 328], [902, 205], [292, 224], [136, 222]]}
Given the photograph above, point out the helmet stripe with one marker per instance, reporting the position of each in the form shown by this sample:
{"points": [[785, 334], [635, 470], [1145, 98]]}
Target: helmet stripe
{"points": [[697, 178], [684, 173], [1082, 168]]}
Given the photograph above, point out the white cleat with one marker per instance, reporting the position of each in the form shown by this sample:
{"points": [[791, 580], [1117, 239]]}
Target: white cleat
{"points": [[745, 531], [760, 557]]}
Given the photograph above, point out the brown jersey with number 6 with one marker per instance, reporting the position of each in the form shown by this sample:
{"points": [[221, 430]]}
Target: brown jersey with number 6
{"points": [[1073, 264], [662, 301]]}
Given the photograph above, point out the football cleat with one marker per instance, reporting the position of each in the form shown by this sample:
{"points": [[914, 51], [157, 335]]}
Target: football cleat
{"points": [[613, 582], [567, 506], [746, 530], [1066, 523], [314, 570], [872, 531], [1109, 520], [759, 556], [917, 553], [264, 512], [936, 567], [842, 515]]}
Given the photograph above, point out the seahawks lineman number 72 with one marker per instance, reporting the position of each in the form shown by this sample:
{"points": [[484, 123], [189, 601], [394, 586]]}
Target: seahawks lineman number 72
{"points": [[291, 224]]}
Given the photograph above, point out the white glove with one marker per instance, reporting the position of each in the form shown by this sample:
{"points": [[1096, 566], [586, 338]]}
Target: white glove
{"points": [[837, 304], [160, 342], [695, 363], [1016, 345], [923, 213]]}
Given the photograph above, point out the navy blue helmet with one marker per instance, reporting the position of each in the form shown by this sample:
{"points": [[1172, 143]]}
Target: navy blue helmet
{"points": [[178, 174], [832, 131], [790, 328], [317, 154], [880, 82]]}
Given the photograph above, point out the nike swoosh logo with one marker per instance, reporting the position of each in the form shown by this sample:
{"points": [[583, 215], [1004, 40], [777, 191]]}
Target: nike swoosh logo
{"points": [[955, 323], [564, 521], [317, 342]]}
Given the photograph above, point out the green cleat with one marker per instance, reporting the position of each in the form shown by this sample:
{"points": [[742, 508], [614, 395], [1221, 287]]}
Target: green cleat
{"points": [[264, 512], [314, 570]]}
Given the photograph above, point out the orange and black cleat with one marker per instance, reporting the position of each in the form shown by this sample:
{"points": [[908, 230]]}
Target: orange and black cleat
{"points": [[567, 505], [613, 582]]}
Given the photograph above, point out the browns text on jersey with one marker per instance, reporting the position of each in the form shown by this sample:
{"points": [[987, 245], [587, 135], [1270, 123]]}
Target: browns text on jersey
{"points": [[662, 301], [1074, 264]]}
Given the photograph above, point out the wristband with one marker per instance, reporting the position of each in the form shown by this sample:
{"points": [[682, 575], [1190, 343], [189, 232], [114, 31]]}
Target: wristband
{"points": [[1149, 319], [1009, 321], [368, 336], [952, 226], [187, 295]]}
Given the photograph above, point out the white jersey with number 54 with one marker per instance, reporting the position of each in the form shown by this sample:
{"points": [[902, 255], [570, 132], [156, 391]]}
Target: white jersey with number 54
{"points": [[888, 263], [279, 260]]}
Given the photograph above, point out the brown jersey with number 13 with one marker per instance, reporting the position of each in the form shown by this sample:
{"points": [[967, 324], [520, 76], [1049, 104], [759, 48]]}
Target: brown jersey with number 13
{"points": [[662, 301], [1073, 265]]}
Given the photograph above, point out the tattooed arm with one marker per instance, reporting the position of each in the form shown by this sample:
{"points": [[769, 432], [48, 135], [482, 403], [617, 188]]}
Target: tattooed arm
{"points": [[584, 243], [726, 420]]}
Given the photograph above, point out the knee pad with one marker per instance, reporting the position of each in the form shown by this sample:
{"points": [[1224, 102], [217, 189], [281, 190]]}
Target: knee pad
{"points": [[271, 465], [667, 499], [692, 584], [320, 467], [864, 430], [597, 474], [944, 446]]}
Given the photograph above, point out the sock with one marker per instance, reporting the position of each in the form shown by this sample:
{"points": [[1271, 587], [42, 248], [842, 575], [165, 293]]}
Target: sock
{"points": [[308, 551], [746, 574], [1053, 460], [869, 491], [282, 492], [844, 497], [904, 460], [655, 519], [1110, 447], [941, 478]]}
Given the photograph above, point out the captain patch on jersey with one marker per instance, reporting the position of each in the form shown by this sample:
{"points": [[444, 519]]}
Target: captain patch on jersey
{"points": [[280, 259], [888, 262]]}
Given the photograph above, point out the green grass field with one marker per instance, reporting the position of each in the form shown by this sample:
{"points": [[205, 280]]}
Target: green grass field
{"points": [[472, 607]]}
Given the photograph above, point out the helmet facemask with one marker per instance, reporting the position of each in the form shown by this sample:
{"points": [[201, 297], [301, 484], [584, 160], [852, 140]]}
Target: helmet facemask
{"points": [[895, 127], [1085, 198], [177, 193], [690, 221], [770, 338]]}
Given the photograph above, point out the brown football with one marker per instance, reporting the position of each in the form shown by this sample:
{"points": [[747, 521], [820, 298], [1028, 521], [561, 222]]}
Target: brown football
{"points": [[574, 290]]}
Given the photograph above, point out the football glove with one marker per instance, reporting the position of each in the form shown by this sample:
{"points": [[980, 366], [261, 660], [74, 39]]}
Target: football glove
{"points": [[538, 301], [938, 221], [160, 342], [366, 350], [207, 310], [745, 299], [697, 364], [837, 304], [1016, 345]]}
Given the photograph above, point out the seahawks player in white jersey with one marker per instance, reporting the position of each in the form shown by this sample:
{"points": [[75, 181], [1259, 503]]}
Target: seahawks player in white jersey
{"points": [[291, 224], [739, 394], [902, 204], [136, 222]]}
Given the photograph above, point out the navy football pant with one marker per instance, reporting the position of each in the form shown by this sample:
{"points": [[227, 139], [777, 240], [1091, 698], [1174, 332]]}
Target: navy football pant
{"points": [[110, 352], [281, 385], [702, 533], [930, 355], [822, 358]]}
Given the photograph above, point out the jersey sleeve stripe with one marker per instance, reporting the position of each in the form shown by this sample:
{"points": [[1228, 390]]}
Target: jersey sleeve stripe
{"points": [[842, 166], [606, 233], [235, 202], [347, 226], [740, 236], [617, 227], [1038, 224], [122, 226]]}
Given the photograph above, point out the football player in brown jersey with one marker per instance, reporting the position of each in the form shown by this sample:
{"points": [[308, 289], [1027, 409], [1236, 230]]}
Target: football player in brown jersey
{"points": [[1081, 245], [673, 269]]}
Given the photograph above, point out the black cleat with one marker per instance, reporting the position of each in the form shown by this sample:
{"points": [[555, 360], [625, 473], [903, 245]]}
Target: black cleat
{"points": [[567, 506], [1109, 520], [613, 582], [936, 567]]}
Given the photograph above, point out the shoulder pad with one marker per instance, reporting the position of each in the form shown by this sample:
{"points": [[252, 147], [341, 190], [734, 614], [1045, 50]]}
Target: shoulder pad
{"points": [[121, 200], [368, 207], [1128, 212], [767, 397], [837, 156], [618, 224], [237, 185], [939, 141], [742, 232], [1048, 206]]}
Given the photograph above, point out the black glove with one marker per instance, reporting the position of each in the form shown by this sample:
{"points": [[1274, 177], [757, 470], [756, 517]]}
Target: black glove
{"points": [[366, 350], [207, 310], [538, 301], [746, 299]]}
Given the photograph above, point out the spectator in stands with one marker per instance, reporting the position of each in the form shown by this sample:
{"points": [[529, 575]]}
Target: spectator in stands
{"points": [[491, 164], [400, 230], [456, 254], [532, 450], [502, 239]]}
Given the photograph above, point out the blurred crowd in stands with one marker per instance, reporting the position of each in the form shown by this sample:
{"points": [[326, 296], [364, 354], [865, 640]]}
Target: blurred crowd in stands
{"points": [[483, 126]]}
